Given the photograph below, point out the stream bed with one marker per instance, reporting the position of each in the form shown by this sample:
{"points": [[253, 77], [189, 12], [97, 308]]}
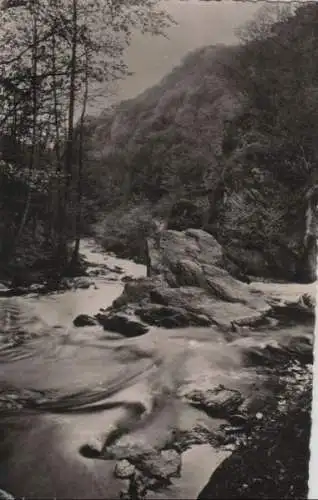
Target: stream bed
{"points": [[89, 368]]}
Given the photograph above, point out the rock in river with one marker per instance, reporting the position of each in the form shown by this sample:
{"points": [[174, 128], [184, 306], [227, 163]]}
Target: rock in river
{"points": [[124, 469], [187, 278], [121, 324], [160, 465], [218, 402], [84, 320], [171, 317]]}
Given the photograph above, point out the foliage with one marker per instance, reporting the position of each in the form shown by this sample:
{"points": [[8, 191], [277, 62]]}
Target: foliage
{"points": [[236, 125], [166, 142], [270, 150], [54, 54]]}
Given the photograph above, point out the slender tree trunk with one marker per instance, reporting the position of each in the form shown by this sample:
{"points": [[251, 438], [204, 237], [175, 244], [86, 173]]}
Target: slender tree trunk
{"points": [[78, 221], [69, 142], [57, 202]]}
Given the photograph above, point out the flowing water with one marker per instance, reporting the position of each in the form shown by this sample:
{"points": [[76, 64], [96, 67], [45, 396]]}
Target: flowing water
{"points": [[83, 380]]}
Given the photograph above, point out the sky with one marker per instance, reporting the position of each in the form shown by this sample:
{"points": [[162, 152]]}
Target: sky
{"points": [[199, 23]]}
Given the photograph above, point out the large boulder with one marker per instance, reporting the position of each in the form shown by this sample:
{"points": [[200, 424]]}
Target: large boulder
{"points": [[173, 246], [194, 258], [187, 285], [187, 278]]}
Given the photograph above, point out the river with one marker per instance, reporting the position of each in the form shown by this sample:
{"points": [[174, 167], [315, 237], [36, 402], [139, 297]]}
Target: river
{"points": [[89, 368]]}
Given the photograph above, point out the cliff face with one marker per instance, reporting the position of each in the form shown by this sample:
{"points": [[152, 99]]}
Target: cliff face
{"points": [[187, 151]]}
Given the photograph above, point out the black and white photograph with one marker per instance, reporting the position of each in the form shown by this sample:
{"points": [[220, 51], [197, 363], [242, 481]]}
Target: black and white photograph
{"points": [[158, 249]]}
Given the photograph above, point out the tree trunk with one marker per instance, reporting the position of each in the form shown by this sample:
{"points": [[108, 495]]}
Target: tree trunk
{"points": [[64, 236], [78, 222]]}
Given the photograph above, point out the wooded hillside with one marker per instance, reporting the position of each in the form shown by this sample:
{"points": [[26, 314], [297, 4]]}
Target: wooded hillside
{"points": [[225, 142]]}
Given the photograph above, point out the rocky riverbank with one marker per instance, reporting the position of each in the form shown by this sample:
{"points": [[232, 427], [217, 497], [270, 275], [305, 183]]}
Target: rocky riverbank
{"points": [[190, 284]]}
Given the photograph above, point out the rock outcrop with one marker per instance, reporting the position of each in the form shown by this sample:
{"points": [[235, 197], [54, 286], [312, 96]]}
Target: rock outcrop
{"points": [[187, 285]]}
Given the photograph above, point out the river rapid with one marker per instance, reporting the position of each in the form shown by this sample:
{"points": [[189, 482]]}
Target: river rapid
{"points": [[82, 375]]}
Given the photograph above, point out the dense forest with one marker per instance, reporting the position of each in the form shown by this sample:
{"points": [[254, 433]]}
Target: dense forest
{"points": [[52, 54], [226, 142]]}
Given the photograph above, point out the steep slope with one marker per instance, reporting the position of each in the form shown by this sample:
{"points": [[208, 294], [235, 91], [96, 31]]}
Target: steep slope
{"points": [[171, 135], [161, 147], [199, 150]]}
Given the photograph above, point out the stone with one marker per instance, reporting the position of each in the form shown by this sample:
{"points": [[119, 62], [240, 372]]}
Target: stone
{"points": [[81, 282], [128, 449], [238, 419], [84, 320], [135, 291], [297, 311], [278, 354], [160, 465], [171, 317], [196, 300], [218, 402], [301, 349], [193, 244], [124, 469], [187, 277], [121, 324]]}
